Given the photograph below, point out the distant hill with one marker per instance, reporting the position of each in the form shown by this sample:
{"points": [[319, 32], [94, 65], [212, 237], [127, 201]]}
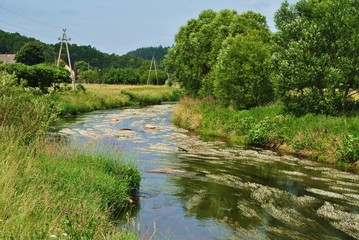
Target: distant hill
{"points": [[149, 52], [10, 43]]}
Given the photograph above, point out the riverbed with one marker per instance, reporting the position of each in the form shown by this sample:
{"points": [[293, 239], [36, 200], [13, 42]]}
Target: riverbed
{"points": [[197, 189]]}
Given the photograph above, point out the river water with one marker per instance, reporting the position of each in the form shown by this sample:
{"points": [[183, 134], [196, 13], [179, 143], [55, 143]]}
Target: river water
{"points": [[196, 189]]}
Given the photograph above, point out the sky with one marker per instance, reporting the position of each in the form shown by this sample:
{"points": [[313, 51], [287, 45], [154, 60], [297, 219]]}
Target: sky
{"points": [[116, 26]]}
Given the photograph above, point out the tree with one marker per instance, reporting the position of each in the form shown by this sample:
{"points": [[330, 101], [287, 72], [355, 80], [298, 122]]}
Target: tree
{"points": [[31, 53], [188, 58], [242, 72], [316, 55], [225, 55], [81, 66], [89, 76]]}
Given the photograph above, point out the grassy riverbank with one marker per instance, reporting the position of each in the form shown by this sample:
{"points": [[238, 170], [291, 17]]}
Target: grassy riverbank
{"points": [[319, 137], [103, 96], [49, 190]]}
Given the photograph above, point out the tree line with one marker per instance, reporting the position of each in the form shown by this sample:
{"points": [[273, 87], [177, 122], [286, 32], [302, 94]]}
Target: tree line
{"points": [[92, 65], [310, 63]]}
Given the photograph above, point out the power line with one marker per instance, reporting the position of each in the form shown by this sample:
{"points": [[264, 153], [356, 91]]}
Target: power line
{"points": [[27, 30], [48, 25], [33, 20]]}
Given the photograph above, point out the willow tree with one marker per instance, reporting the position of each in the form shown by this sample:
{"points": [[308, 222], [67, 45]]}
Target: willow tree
{"points": [[242, 72], [202, 44], [188, 59], [242, 75]]}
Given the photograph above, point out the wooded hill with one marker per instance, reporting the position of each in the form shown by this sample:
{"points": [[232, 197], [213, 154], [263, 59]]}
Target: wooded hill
{"points": [[106, 68]]}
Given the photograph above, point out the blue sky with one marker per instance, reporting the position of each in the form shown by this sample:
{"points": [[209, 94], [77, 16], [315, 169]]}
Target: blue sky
{"points": [[115, 26]]}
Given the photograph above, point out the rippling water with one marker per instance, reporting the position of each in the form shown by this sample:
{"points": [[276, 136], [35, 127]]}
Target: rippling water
{"points": [[214, 191]]}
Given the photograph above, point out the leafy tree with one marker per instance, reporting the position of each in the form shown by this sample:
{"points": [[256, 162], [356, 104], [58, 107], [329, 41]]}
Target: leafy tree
{"points": [[188, 59], [81, 66], [242, 72], [31, 53], [316, 55], [217, 53], [90, 76]]}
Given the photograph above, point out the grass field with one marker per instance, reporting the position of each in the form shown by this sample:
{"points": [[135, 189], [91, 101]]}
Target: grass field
{"points": [[103, 96]]}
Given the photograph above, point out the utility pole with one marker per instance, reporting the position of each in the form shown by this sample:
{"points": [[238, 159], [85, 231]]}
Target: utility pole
{"points": [[153, 61], [66, 40]]}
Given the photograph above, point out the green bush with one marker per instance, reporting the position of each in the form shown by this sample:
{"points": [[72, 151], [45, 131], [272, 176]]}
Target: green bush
{"points": [[38, 76], [349, 151], [29, 111], [260, 134]]}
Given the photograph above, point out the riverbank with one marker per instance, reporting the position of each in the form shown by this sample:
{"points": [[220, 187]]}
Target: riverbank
{"points": [[49, 189], [104, 96], [318, 137]]}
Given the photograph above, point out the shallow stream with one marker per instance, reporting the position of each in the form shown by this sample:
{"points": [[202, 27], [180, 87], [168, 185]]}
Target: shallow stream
{"points": [[196, 189]]}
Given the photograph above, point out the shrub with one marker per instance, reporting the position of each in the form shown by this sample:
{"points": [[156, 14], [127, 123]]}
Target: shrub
{"points": [[27, 110], [260, 134], [349, 150]]}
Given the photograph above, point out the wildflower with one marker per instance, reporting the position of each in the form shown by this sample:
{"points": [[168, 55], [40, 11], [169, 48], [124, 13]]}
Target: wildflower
{"points": [[53, 236], [66, 212]]}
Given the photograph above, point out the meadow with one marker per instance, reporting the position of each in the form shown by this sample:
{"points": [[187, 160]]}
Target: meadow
{"points": [[103, 96]]}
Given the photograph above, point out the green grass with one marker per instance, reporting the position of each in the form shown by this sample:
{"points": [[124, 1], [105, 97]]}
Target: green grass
{"points": [[47, 189], [103, 96], [320, 137], [53, 191]]}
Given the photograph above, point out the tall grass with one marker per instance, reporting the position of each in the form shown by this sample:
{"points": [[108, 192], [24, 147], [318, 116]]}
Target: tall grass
{"points": [[48, 190], [320, 137]]}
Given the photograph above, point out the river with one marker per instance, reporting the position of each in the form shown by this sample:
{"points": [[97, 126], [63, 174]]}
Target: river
{"points": [[197, 189]]}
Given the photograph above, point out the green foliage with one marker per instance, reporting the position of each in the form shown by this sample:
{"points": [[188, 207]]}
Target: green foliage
{"points": [[225, 55], [39, 75], [148, 52], [29, 111], [89, 76], [121, 76], [261, 134], [241, 75], [80, 87], [31, 53], [81, 66], [12, 42], [188, 59], [50, 190], [315, 59], [349, 150], [150, 97], [318, 137]]}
